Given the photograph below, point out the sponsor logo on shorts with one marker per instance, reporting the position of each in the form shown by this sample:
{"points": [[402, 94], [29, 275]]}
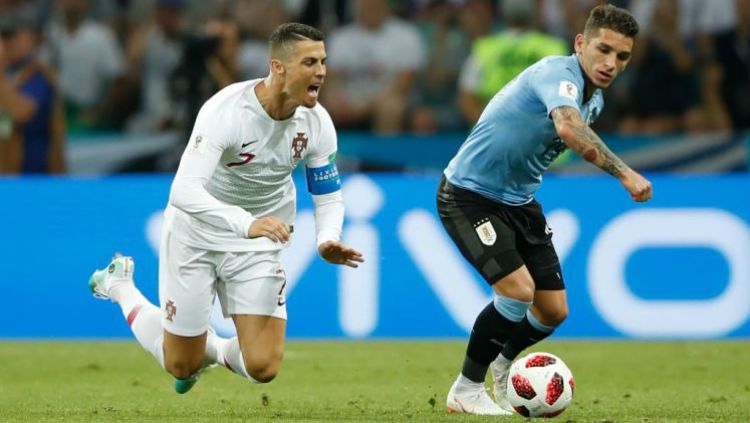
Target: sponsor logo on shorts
{"points": [[486, 232], [170, 309]]}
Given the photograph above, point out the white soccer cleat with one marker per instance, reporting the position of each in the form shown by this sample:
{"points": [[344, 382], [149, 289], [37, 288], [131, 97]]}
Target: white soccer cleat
{"points": [[473, 401], [119, 271], [499, 384]]}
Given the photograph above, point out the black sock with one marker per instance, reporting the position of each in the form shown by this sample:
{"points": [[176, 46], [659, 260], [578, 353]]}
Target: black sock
{"points": [[488, 337], [523, 336]]}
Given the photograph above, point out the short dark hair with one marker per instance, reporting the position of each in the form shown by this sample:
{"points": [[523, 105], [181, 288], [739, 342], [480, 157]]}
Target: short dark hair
{"points": [[284, 35], [611, 17]]}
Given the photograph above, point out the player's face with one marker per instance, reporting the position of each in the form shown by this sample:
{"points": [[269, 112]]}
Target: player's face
{"points": [[604, 55], [305, 72]]}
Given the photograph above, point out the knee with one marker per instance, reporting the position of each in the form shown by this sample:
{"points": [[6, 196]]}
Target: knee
{"points": [[181, 368], [518, 289], [263, 368], [555, 316], [262, 374]]}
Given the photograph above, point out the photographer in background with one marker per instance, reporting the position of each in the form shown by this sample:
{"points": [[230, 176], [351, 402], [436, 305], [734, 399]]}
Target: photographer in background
{"points": [[153, 52], [32, 124], [209, 63]]}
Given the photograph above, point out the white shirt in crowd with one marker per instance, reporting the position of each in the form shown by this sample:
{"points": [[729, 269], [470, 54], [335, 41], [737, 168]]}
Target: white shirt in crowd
{"points": [[370, 59], [86, 60]]}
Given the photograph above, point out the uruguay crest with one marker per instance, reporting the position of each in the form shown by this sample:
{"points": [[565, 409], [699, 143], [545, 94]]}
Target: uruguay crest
{"points": [[486, 232]]}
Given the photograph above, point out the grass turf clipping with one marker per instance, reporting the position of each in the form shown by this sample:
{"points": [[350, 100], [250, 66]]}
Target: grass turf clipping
{"points": [[376, 381]]}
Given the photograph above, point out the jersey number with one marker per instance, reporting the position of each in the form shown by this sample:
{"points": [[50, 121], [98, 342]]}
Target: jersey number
{"points": [[246, 157]]}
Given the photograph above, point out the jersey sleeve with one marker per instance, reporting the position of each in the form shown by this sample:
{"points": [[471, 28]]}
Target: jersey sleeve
{"points": [[323, 151], [199, 160], [557, 85], [324, 183], [320, 166]]}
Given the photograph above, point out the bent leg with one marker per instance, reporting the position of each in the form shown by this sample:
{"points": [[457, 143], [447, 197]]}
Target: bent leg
{"points": [[187, 278], [550, 308], [115, 283], [257, 350], [183, 355], [547, 312], [493, 326]]}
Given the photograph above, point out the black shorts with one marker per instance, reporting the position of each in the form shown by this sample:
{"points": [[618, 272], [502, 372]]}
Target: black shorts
{"points": [[497, 239]]}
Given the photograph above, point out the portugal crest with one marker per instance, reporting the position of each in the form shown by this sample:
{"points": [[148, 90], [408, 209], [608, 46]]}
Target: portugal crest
{"points": [[299, 144], [486, 232]]}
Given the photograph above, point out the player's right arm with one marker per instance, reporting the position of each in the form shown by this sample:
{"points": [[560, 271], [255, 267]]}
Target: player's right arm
{"points": [[579, 137]]}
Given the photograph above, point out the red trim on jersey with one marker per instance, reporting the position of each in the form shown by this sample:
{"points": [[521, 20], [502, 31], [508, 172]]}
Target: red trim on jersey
{"points": [[246, 157]]}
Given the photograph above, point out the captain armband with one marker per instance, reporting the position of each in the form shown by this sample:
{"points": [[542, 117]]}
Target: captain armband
{"points": [[323, 180]]}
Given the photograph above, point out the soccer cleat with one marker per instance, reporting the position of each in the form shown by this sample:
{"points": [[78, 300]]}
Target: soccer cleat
{"points": [[119, 271], [182, 386], [499, 384], [473, 401]]}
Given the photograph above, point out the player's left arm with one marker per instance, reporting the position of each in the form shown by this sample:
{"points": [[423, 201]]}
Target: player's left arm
{"points": [[586, 143], [324, 183]]}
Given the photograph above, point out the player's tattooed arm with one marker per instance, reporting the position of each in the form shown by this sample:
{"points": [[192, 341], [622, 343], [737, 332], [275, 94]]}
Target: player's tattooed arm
{"points": [[577, 135], [583, 140]]}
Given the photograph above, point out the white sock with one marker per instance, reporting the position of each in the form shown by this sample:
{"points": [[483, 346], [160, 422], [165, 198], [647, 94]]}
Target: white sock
{"points": [[214, 347], [465, 384], [230, 356], [143, 318], [127, 296]]}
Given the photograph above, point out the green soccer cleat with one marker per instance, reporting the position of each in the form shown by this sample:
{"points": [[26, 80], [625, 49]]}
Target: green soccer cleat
{"points": [[182, 386], [120, 270]]}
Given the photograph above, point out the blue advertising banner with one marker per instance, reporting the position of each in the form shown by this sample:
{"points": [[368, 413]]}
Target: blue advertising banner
{"points": [[676, 267]]}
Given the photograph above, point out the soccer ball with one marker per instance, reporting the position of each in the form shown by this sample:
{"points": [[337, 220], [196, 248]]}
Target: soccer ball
{"points": [[540, 385]]}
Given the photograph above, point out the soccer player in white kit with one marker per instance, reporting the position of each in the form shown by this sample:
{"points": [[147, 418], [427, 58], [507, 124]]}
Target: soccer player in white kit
{"points": [[230, 213]]}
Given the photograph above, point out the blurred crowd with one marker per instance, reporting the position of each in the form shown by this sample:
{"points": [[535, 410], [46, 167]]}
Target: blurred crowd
{"points": [[409, 66]]}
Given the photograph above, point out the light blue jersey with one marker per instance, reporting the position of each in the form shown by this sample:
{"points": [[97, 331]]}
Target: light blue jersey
{"points": [[515, 140]]}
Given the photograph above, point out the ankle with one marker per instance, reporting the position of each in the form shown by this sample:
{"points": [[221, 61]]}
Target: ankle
{"points": [[465, 384]]}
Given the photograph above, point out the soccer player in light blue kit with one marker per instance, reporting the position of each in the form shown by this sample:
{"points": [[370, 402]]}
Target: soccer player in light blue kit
{"points": [[486, 198]]}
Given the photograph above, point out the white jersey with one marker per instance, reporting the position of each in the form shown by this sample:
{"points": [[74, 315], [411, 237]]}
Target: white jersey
{"points": [[237, 167]]}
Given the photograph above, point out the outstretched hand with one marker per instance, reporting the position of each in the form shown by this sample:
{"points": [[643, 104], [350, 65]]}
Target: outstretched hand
{"points": [[338, 253]]}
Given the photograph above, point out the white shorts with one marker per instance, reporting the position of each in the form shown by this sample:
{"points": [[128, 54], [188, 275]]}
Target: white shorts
{"points": [[248, 282]]}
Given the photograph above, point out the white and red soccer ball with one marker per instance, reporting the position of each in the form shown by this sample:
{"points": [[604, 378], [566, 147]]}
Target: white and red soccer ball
{"points": [[540, 385]]}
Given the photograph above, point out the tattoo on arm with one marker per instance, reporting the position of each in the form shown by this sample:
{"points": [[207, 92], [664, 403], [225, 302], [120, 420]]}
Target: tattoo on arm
{"points": [[586, 143]]}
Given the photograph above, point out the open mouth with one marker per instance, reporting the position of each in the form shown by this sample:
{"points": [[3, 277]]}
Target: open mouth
{"points": [[605, 76], [313, 90]]}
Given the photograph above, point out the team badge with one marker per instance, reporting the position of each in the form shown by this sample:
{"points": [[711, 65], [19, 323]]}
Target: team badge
{"points": [[486, 232], [170, 309], [299, 144]]}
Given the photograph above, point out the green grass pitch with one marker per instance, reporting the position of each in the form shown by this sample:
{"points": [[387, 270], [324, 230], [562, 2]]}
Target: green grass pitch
{"points": [[377, 381]]}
